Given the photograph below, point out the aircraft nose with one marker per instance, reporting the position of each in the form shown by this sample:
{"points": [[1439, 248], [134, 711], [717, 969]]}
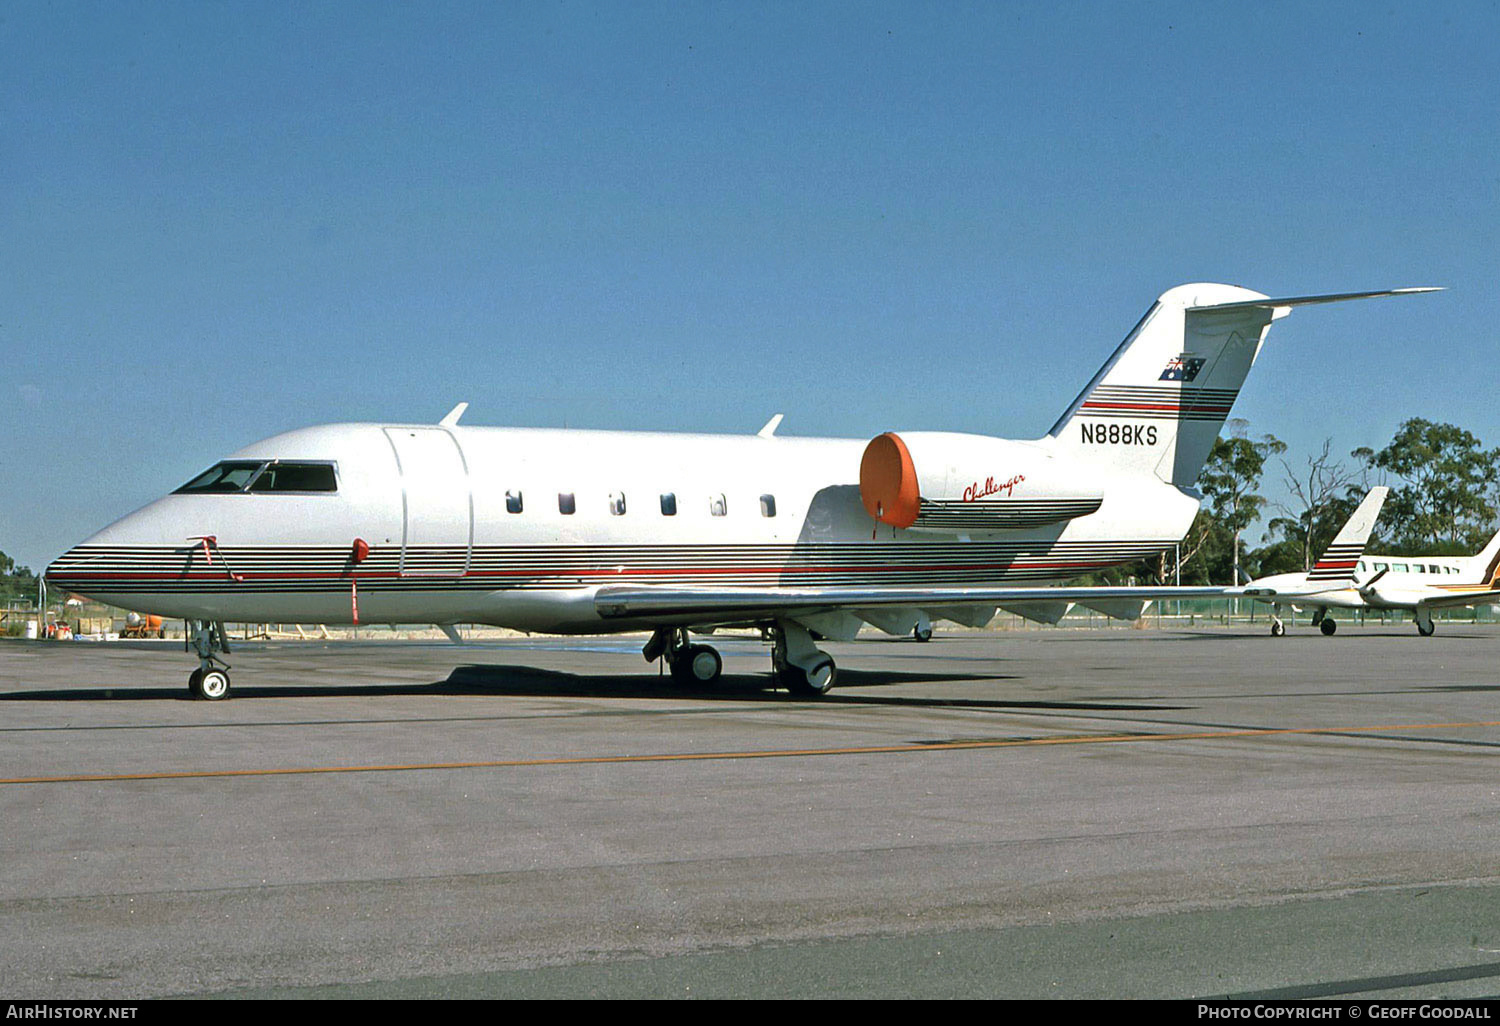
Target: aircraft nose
{"points": [[114, 553]]}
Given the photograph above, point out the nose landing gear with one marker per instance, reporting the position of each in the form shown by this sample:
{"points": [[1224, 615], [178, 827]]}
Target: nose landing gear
{"points": [[208, 682]]}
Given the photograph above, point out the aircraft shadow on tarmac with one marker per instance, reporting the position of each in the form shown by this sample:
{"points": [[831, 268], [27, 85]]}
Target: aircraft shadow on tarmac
{"points": [[527, 681]]}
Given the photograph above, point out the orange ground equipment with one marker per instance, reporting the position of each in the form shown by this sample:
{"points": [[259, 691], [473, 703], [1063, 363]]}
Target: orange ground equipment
{"points": [[138, 626]]}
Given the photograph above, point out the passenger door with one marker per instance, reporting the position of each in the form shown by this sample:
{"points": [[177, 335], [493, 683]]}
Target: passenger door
{"points": [[436, 500]]}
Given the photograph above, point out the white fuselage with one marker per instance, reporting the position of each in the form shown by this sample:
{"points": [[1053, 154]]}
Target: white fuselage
{"points": [[467, 524], [1404, 583]]}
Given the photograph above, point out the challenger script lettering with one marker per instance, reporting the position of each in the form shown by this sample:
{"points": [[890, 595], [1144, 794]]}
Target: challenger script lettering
{"points": [[992, 487]]}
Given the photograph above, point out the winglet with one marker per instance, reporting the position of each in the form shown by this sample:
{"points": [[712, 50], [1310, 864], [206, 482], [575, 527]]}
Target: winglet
{"points": [[1342, 555], [452, 419], [770, 428]]}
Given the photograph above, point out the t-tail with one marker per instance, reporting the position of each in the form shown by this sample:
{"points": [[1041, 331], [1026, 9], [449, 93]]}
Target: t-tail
{"points": [[1161, 400], [1338, 562]]}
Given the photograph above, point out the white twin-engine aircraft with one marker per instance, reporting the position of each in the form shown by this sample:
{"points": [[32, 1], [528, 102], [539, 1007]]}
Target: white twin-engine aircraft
{"points": [[1344, 578], [590, 532]]}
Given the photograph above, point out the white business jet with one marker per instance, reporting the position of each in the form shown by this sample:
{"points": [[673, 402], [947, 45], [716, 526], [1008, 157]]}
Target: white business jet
{"points": [[1344, 578], [589, 532]]}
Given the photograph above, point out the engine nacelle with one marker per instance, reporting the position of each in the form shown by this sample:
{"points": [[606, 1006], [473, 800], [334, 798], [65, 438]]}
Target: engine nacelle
{"points": [[960, 484]]}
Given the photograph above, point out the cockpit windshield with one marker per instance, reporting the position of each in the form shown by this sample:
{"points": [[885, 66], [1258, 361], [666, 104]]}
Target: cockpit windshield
{"points": [[229, 476], [261, 476]]}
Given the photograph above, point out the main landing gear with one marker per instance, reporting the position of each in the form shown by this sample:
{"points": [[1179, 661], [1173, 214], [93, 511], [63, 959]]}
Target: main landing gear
{"points": [[689, 664], [1320, 619], [923, 630], [797, 663], [208, 682]]}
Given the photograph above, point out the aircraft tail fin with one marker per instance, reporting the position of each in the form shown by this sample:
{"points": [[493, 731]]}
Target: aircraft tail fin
{"points": [[1486, 565], [1161, 400], [1337, 563]]}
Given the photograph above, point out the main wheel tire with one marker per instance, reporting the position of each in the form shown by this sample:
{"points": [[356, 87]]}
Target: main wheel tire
{"points": [[809, 683], [696, 665], [1328, 626], [1426, 631], [211, 685], [1277, 628], [922, 635]]}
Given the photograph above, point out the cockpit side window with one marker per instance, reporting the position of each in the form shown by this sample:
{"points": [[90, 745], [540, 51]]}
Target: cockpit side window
{"points": [[296, 477], [229, 476]]}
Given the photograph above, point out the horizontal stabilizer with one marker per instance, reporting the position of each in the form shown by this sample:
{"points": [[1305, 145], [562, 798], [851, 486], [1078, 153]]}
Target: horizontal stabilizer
{"points": [[1291, 301]]}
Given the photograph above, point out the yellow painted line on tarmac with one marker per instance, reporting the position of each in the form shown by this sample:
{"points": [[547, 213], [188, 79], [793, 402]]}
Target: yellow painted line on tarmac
{"points": [[775, 753]]}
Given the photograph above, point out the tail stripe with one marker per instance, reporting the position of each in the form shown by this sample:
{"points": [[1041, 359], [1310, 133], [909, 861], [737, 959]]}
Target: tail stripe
{"points": [[1150, 403]]}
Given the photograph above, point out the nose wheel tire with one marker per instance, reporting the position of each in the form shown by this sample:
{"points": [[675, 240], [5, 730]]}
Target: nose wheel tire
{"points": [[209, 685]]}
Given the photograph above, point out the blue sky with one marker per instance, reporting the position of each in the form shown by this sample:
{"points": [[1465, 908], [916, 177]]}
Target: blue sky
{"points": [[220, 221]]}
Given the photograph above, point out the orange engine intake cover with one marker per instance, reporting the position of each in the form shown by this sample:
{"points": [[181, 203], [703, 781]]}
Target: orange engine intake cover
{"points": [[888, 481]]}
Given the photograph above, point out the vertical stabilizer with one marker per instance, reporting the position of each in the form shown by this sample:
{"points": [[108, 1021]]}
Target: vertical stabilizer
{"points": [[1158, 404], [1342, 555], [1485, 568]]}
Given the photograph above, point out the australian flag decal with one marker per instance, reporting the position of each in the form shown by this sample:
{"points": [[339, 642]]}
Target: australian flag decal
{"points": [[1182, 368]]}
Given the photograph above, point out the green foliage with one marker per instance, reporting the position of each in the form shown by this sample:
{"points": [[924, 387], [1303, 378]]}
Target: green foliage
{"points": [[1230, 476], [17, 584], [1443, 503]]}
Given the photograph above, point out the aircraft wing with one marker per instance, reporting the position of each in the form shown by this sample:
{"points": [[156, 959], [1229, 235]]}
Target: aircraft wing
{"points": [[1456, 599], [1289, 594], [726, 604]]}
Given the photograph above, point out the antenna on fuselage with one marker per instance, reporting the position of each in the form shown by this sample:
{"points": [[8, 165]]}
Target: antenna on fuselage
{"points": [[452, 419], [770, 428]]}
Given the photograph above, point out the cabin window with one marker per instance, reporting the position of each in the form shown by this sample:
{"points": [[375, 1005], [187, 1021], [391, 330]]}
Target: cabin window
{"points": [[229, 476], [1435, 569], [1382, 566], [1399, 568], [717, 507], [768, 505], [565, 504], [617, 504], [513, 503], [669, 504], [1361, 566]]}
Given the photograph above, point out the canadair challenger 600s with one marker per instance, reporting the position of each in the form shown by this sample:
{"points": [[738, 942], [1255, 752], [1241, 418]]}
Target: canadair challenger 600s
{"points": [[584, 532]]}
